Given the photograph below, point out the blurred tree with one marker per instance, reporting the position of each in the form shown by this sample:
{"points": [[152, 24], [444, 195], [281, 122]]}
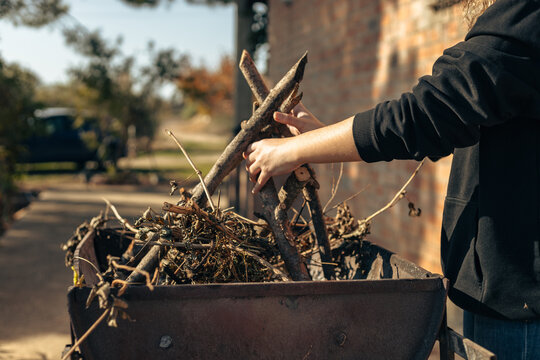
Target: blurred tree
{"points": [[209, 92], [33, 13], [251, 35], [124, 93], [17, 104], [17, 88], [74, 95]]}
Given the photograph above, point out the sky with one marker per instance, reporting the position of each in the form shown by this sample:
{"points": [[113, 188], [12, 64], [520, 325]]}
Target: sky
{"points": [[206, 33]]}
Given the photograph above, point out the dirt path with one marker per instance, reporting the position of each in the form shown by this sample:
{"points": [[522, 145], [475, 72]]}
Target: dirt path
{"points": [[33, 314]]}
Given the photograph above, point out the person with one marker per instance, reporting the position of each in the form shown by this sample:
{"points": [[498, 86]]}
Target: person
{"points": [[481, 104]]}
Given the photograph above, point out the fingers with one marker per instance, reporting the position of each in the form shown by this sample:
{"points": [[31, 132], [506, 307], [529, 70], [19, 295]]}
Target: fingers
{"points": [[253, 170], [250, 159], [248, 151], [285, 118], [263, 178], [246, 155]]}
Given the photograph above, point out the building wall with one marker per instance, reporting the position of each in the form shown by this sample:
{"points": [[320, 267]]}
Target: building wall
{"points": [[362, 52]]}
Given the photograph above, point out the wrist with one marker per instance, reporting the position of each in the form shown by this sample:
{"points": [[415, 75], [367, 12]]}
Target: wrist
{"points": [[295, 151]]}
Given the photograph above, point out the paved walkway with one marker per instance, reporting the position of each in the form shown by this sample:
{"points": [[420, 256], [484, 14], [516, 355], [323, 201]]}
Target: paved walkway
{"points": [[34, 322]]}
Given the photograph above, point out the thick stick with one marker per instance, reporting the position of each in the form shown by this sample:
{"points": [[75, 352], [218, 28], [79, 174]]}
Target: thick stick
{"points": [[315, 210], [282, 233], [293, 186], [147, 264], [260, 90], [232, 155], [275, 209]]}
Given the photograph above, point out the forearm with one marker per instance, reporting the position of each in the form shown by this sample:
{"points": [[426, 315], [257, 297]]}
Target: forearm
{"points": [[330, 144]]}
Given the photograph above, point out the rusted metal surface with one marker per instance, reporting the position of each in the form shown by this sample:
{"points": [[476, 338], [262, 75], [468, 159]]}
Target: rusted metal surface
{"points": [[466, 348], [358, 319]]}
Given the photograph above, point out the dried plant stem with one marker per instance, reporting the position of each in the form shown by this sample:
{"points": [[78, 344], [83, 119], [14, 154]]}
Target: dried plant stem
{"points": [[124, 285], [298, 215], [86, 334], [120, 218], [399, 195], [249, 221], [350, 197], [197, 171], [195, 209], [263, 262], [148, 263], [181, 245], [232, 247], [177, 209], [88, 262], [130, 268], [334, 189]]}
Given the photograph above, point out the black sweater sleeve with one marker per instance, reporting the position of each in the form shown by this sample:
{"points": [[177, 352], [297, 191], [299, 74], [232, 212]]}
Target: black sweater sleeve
{"points": [[486, 80]]}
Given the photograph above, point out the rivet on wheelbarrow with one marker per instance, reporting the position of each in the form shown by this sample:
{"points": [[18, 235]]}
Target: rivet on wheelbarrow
{"points": [[340, 337], [165, 342]]}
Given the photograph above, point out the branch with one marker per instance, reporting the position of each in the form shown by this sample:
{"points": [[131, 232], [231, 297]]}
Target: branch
{"points": [[282, 233], [291, 258], [147, 264], [232, 155], [197, 171], [292, 187], [321, 233], [350, 197], [334, 189], [276, 271], [399, 195], [86, 334], [121, 219]]}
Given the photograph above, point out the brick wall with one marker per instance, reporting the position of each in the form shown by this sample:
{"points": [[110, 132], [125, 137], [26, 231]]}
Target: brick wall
{"points": [[360, 53]]}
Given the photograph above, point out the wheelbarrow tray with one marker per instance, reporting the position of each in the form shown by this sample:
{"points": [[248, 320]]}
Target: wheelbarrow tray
{"points": [[394, 318]]}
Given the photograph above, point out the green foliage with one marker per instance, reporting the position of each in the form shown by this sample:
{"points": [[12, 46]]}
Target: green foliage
{"points": [[33, 13], [16, 106], [91, 44], [17, 88], [149, 3], [123, 91]]}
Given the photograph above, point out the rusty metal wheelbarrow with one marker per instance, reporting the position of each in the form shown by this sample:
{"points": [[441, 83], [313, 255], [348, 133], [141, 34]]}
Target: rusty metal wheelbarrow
{"points": [[394, 312]]}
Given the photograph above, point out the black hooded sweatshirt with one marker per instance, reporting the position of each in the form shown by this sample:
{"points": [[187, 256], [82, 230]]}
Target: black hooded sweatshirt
{"points": [[481, 103]]}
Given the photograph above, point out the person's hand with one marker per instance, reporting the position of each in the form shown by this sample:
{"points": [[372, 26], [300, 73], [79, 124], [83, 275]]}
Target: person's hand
{"points": [[300, 120], [270, 157]]}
